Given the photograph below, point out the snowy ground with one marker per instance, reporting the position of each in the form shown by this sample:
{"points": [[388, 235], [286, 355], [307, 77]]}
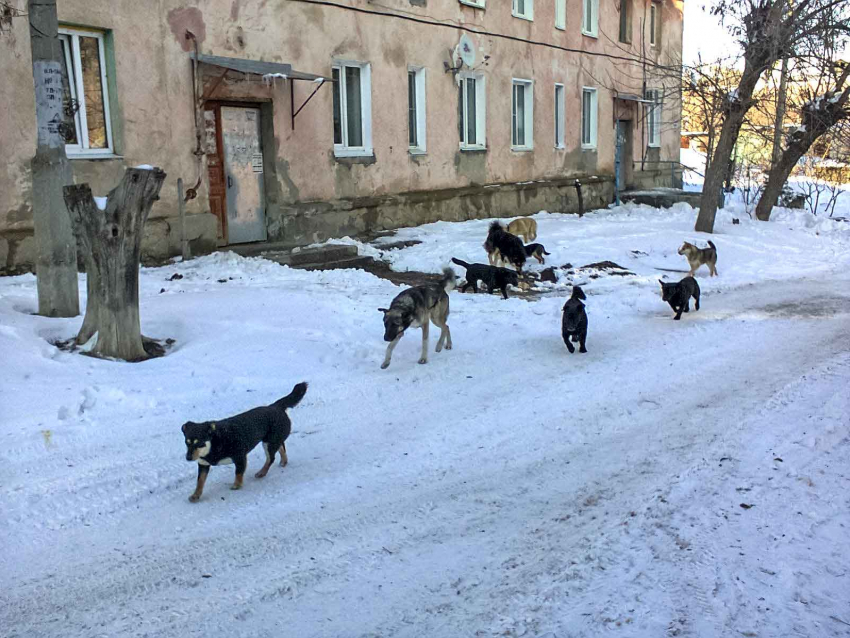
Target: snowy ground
{"points": [[507, 488]]}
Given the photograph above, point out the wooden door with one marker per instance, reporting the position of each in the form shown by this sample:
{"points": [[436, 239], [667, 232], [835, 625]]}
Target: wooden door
{"points": [[215, 169]]}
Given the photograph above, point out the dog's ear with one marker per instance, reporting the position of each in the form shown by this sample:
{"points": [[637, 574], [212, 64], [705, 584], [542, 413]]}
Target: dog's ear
{"points": [[384, 310], [183, 429]]}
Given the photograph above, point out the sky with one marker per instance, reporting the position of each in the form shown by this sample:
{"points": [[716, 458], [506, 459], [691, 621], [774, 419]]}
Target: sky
{"points": [[704, 35]]}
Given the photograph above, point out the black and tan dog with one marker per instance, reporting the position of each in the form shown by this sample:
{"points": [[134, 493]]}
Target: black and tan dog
{"points": [[230, 440], [537, 251], [502, 246], [679, 294], [416, 308], [493, 277], [574, 321], [698, 256]]}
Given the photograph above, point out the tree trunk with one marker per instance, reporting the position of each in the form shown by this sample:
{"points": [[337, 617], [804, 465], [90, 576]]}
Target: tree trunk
{"points": [[56, 248], [779, 172], [112, 239], [716, 173], [817, 120], [780, 113]]}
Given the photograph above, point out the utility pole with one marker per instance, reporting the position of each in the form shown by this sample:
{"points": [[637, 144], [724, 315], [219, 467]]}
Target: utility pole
{"points": [[780, 114], [56, 247]]}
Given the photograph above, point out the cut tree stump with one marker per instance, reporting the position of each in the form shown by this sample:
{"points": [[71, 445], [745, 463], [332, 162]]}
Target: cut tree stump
{"points": [[111, 240]]}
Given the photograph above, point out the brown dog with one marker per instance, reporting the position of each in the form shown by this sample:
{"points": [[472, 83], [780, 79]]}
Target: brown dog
{"points": [[524, 226], [699, 256]]}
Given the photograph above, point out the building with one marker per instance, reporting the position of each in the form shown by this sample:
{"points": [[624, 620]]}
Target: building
{"points": [[301, 120]]}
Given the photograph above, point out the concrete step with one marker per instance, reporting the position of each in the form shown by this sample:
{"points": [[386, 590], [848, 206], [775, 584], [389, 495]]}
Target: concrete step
{"points": [[298, 258], [661, 197], [351, 262]]}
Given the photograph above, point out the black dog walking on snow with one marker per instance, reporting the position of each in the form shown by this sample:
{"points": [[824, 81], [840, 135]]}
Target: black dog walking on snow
{"points": [[679, 294], [493, 277], [574, 321], [230, 440]]}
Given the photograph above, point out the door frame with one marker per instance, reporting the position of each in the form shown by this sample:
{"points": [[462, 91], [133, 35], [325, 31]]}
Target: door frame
{"points": [[215, 106]]}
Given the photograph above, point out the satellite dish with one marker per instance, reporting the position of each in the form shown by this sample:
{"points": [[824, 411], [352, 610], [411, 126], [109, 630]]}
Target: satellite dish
{"points": [[466, 50]]}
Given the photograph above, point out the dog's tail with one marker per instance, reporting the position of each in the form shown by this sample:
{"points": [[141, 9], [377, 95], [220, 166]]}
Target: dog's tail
{"points": [[449, 280], [494, 227], [711, 243], [544, 251], [460, 262], [293, 398]]}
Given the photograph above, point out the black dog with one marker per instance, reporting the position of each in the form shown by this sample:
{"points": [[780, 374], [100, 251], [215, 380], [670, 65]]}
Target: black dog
{"points": [[491, 276], [574, 321], [537, 251], [679, 294], [230, 440], [501, 245]]}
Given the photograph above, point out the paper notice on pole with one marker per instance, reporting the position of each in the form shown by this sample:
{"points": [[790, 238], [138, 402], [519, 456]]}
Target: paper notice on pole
{"points": [[47, 75]]}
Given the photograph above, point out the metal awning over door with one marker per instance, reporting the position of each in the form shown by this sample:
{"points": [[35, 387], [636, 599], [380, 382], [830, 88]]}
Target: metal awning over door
{"points": [[269, 71]]}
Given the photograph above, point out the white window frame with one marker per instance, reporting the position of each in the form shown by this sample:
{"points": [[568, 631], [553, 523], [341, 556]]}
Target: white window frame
{"points": [[653, 118], [528, 98], [71, 51], [366, 150], [419, 86], [478, 4], [594, 117], [653, 22], [560, 115], [480, 111], [527, 14], [561, 14], [590, 13]]}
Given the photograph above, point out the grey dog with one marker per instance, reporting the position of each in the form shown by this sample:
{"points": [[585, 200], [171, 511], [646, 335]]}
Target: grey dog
{"points": [[416, 308]]}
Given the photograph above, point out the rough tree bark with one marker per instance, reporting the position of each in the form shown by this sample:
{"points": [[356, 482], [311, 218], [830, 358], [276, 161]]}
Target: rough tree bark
{"points": [[716, 172], [56, 249], [817, 118], [112, 240]]}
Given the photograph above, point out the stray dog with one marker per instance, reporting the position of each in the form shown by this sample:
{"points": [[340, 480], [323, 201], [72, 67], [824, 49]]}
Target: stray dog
{"points": [[230, 440], [413, 308], [524, 226], [537, 251], [491, 276], [699, 256], [679, 294], [503, 246], [574, 321]]}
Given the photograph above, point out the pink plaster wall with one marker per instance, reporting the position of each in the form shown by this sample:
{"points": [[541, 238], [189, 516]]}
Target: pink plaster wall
{"points": [[155, 91]]}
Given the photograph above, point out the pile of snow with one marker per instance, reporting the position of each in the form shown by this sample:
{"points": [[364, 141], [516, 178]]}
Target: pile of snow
{"points": [[506, 488]]}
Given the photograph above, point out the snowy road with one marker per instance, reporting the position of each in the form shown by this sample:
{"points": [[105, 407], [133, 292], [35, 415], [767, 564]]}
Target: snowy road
{"points": [[506, 488]]}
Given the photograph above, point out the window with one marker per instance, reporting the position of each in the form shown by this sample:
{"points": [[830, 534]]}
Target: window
{"points": [[352, 109], [653, 21], [588, 118], [474, 3], [625, 30], [653, 117], [84, 71], [561, 14], [416, 109], [590, 17], [471, 111], [523, 9], [522, 115], [559, 116]]}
